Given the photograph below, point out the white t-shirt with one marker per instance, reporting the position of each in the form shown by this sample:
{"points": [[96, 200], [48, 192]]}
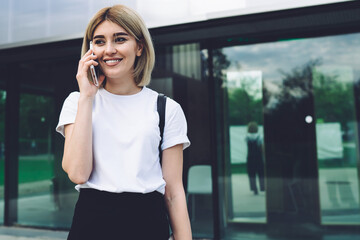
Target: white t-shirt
{"points": [[126, 137], [254, 137]]}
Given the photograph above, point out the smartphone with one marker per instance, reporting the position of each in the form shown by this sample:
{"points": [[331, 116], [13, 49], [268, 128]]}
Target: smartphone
{"points": [[93, 71]]}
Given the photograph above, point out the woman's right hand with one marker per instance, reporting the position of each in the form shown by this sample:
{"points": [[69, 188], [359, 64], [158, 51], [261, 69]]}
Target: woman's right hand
{"points": [[86, 85]]}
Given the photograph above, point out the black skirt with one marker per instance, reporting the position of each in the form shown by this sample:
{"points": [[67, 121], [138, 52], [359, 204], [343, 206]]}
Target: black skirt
{"points": [[111, 216]]}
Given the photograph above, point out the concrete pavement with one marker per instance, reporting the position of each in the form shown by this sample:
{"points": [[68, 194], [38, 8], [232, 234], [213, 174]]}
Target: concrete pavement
{"points": [[19, 233]]}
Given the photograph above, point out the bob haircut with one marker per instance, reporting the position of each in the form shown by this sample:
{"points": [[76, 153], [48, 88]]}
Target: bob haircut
{"points": [[252, 127], [135, 26]]}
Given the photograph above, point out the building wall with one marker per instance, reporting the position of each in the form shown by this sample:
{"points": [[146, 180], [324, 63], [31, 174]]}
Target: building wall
{"points": [[27, 22]]}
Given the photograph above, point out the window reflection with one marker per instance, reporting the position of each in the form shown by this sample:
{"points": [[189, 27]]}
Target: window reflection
{"points": [[186, 60], [245, 181], [246, 144], [336, 143], [37, 189], [311, 111], [2, 151]]}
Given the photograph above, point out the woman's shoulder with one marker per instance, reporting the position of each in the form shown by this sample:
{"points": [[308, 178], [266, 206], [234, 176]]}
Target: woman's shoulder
{"points": [[72, 97], [253, 137], [172, 105]]}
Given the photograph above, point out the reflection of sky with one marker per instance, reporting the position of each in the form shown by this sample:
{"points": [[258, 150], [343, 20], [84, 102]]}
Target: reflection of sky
{"points": [[338, 55], [251, 81], [343, 50]]}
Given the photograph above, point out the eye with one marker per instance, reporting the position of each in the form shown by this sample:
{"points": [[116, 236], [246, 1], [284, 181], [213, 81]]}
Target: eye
{"points": [[99, 42], [120, 39]]}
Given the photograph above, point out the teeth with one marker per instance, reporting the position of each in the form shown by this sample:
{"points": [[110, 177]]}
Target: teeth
{"points": [[112, 61]]}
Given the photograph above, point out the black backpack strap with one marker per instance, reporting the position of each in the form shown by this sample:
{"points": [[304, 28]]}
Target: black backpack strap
{"points": [[161, 105]]}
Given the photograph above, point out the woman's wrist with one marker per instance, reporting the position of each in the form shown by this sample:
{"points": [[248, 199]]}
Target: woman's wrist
{"points": [[84, 98]]}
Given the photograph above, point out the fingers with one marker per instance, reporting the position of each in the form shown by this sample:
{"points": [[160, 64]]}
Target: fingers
{"points": [[87, 57], [86, 85], [85, 62], [90, 51], [90, 62]]}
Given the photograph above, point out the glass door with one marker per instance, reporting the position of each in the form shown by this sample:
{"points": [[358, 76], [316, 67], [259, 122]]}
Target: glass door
{"points": [[303, 95], [337, 135], [244, 137]]}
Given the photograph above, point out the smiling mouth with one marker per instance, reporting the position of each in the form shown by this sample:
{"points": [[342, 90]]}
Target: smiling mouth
{"points": [[113, 60]]}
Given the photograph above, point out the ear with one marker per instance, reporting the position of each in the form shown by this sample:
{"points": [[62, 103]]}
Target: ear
{"points": [[139, 49]]}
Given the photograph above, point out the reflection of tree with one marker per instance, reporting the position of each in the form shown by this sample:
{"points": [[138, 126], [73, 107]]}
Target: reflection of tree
{"points": [[221, 63], [36, 118], [244, 108], [291, 141], [334, 100], [36, 113], [296, 86]]}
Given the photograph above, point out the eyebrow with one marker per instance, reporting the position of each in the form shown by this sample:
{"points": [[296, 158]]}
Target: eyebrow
{"points": [[115, 35]]}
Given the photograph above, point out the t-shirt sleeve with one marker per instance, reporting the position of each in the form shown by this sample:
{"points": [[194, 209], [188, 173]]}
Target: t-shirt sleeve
{"points": [[68, 112], [175, 130]]}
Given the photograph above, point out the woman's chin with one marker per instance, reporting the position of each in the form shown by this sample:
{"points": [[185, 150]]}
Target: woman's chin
{"points": [[111, 76], [117, 76]]}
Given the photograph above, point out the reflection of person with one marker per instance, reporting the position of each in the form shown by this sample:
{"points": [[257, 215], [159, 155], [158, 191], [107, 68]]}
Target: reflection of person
{"points": [[112, 138], [255, 163]]}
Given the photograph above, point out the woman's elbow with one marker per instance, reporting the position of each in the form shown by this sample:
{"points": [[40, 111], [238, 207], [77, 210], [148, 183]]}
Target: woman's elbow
{"points": [[75, 176], [172, 192], [77, 179]]}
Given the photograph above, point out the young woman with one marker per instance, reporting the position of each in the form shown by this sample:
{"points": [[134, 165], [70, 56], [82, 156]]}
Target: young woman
{"points": [[255, 161], [112, 137]]}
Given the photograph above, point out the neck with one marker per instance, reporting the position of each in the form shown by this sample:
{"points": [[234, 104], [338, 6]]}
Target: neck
{"points": [[127, 87]]}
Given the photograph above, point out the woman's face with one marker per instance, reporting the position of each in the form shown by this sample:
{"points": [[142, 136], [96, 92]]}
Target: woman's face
{"points": [[116, 50]]}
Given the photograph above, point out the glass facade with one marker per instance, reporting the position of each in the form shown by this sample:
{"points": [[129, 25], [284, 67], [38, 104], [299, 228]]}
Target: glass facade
{"points": [[37, 185], [246, 187], [306, 110], [38, 191], [337, 138]]}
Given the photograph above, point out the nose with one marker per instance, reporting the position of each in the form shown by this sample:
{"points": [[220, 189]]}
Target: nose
{"points": [[110, 49]]}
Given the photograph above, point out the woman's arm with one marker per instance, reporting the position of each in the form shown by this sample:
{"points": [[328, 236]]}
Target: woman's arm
{"points": [[172, 167], [78, 160]]}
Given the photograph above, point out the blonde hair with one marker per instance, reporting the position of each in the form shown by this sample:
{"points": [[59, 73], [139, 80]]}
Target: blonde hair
{"points": [[135, 26]]}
